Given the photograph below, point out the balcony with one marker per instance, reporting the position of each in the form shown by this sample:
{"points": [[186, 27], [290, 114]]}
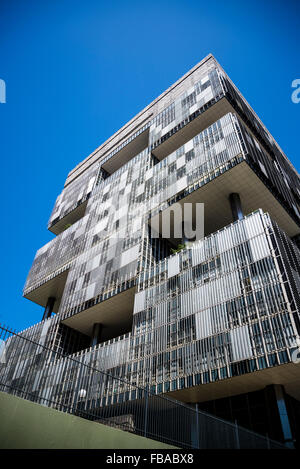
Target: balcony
{"points": [[126, 152], [214, 194], [113, 313]]}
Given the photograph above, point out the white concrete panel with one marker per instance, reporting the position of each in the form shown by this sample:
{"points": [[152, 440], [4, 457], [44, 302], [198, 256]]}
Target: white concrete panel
{"points": [[241, 345], [203, 324], [89, 293], [139, 301], [130, 255], [180, 162], [173, 266]]}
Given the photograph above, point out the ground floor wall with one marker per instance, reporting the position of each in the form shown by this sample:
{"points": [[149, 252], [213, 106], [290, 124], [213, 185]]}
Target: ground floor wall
{"points": [[27, 425]]}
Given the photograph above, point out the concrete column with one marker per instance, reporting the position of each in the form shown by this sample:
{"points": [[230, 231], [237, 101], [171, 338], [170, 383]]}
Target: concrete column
{"points": [[96, 334], [49, 307], [236, 206], [283, 415]]}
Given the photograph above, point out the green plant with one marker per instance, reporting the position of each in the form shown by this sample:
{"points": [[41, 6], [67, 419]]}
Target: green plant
{"points": [[179, 248]]}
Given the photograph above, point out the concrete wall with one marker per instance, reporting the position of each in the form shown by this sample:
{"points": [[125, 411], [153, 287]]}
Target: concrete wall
{"points": [[24, 424]]}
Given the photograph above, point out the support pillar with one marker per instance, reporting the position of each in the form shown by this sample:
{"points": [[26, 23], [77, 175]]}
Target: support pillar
{"points": [[283, 415], [49, 307], [279, 427], [96, 334], [236, 206]]}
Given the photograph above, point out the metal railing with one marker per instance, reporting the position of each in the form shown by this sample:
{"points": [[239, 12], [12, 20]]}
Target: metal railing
{"points": [[40, 374]]}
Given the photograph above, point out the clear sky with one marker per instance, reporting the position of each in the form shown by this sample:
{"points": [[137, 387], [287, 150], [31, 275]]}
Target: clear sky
{"points": [[76, 71]]}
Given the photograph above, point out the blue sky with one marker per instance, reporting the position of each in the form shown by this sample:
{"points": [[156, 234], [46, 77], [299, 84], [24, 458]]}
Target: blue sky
{"points": [[76, 71]]}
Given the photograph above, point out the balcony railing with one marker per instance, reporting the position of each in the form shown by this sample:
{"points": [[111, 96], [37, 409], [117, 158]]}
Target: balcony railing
{"points": [[77, 386]]}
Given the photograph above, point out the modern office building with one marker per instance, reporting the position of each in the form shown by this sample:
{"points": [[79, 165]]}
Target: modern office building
{"points": [[213, 322]]}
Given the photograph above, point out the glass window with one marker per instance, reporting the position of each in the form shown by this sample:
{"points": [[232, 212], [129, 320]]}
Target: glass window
{"points": [[262, 363]]}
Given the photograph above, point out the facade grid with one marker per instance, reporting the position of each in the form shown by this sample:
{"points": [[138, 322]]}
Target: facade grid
{"points": [[217, 317]]}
